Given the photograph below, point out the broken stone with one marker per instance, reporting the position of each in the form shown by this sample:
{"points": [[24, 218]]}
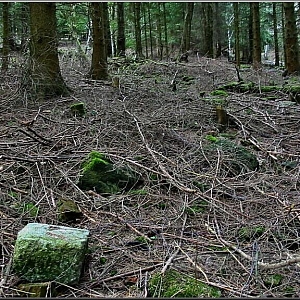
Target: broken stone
{"points": [[41, 289], [50, 253]]}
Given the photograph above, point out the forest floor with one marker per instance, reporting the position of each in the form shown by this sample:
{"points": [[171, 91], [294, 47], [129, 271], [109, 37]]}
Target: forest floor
{"points": [[229, 231]]}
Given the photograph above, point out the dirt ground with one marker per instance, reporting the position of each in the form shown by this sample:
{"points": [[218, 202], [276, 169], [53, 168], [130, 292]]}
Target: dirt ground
{"points": [[232, 232]]}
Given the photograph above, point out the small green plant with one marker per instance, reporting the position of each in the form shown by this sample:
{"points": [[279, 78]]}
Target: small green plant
{"points": [[102, 260], [198, 207], [273, 280], [28, 208], [13, 194], [248, 232]]}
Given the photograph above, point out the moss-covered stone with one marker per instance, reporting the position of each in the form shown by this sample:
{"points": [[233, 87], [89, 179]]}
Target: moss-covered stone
{"points": [[177, 285], [50, 253], [39, 290], [294, 92], [100, 174], [235, 159], [78, 109], [68, 210]]}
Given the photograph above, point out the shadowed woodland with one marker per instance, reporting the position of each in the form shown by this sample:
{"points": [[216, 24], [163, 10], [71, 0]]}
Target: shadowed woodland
{"points": [[208, 119]]}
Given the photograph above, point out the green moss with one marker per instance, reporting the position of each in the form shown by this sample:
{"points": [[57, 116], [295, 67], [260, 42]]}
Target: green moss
{"points": [[138, 192], [99, 173], [219, 93], [202, 186], [102, 260], [177, 285], [211, 138], [78, 109], [273, 280], [48, 252], [269, 88], [197, 207], [249, 232], [236, 158], [188, 78]]}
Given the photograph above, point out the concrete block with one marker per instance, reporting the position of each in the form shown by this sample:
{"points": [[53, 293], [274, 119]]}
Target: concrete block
{"points": [[50, 253]]}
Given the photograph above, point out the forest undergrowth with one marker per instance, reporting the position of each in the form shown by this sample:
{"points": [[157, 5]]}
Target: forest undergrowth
{"points": [[236, 232]]}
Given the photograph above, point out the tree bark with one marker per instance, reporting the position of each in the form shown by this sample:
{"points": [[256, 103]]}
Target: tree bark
{"points": [[165, 29], [145, 28], [237, 34], [98, 69], [44, 79], [150, 30], [217, 30], [256, 36], [250, 34], [291, 39], [107, 33], [159, 43], [208, 29], [121, 29], [137, 29], [5, 36], [275, 30], [186, 34]]}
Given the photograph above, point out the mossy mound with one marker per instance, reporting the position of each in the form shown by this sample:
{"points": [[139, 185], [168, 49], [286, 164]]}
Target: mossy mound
{"points": [[100, 174], [235, 159], [177, 285], [242, 87], [294, 92], [78, 109], [219, 93]]}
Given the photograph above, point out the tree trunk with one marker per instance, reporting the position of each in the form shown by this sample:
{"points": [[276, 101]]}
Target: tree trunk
{"points": [[291, 39], [276, 45], [166, 29], [217, 30], [237, 34], [145, 28], [186, 34], [107, 34], [99, 58], [121, 29], [208, 29], [44, 79], [256, 36], [159, 43], [25, 28], [137, 29], [250, 34], [150, 31], [5, 36]]}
